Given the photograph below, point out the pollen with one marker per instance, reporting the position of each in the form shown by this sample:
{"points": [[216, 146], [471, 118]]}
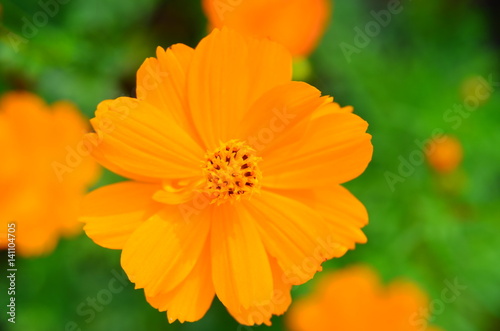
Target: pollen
{"points": [[231, 172]]}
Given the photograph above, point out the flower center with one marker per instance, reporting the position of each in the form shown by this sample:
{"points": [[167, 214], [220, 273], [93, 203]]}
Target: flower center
{"points": [[231, 172]]}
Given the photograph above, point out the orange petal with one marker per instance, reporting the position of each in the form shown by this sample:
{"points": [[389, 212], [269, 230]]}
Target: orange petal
{"points": [[297, 24], [295, 234], [191, 299], [352, 294], [12, 170], [406, 298], [262, 312], [334, 150], [32, 237], [161, 253], [161, 82], [92, 139], [278, 116], [240, 266], [307, 315], [331, 107], [31, 128], [344, 214], [228, 73], [176, 192], [144, 140], [112, 213]]}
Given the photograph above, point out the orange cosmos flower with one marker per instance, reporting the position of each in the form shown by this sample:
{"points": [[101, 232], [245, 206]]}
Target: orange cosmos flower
{"points": [[445, 155], [353, 299], [297, 24], [235, 179], [41, 192]]}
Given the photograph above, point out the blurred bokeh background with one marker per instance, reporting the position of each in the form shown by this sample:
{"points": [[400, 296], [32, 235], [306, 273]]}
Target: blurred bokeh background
{"points": [[411, 75]]}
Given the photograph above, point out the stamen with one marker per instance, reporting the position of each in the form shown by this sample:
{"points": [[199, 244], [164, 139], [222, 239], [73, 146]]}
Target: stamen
{"points": [[231, 175]]}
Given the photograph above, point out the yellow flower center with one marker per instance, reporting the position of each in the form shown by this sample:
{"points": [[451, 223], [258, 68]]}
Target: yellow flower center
{"points": [[231, 172]]}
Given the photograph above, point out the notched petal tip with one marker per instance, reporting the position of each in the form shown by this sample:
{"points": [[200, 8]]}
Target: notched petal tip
{"points": [[161, 50]]}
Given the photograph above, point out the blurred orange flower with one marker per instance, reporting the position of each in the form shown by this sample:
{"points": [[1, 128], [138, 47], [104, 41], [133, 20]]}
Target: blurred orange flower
{"points": [[476, 89], [235, 179], [297, 24], [445, 155], [353, 299], [41, 193]]}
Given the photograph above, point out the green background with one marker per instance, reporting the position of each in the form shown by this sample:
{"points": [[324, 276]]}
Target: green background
{"points": [[428, 228]]}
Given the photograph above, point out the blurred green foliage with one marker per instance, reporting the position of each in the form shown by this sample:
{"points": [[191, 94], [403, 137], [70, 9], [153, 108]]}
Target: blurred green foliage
{"points": [[428, 228]]}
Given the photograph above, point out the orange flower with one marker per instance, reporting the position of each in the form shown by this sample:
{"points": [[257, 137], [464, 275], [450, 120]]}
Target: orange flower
{"points": [[445, 155], [235, 179], [41, 193], [353, 299], [297, 24]]}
